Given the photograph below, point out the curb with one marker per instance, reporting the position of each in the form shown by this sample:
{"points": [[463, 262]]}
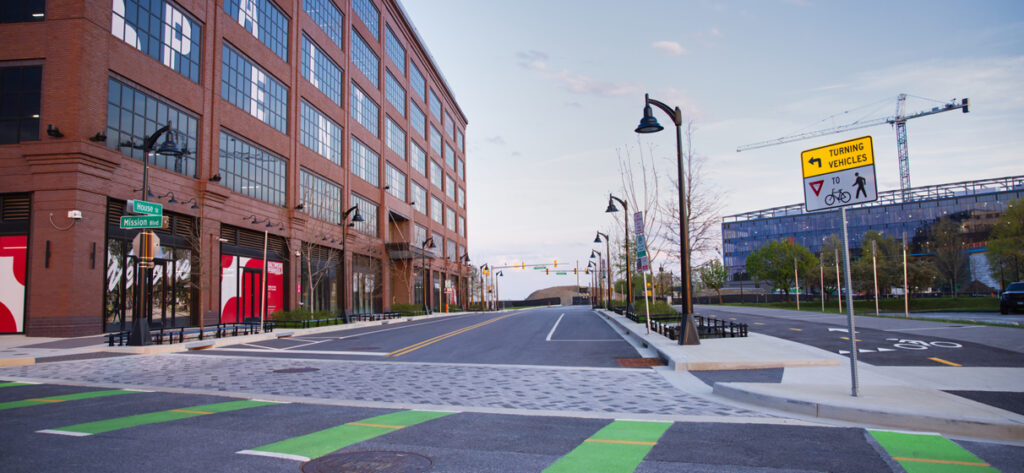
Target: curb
{"points": [[970, 426]]}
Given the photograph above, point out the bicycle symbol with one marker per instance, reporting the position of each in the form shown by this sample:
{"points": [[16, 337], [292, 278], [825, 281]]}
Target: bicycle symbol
{"points": [[837, 194], [908, 344]]}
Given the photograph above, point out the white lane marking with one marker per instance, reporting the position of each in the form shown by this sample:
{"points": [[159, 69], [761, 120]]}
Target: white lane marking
{"points": [[284, 456], [555, 327], [308, 352], [63, 432]]}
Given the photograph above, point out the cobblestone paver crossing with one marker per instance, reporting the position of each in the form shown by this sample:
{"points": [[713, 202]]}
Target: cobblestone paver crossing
{"points": [[626, 391]]}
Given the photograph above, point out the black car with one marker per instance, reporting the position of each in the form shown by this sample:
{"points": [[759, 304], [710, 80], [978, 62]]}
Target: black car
{"points": [[1012, 298]]}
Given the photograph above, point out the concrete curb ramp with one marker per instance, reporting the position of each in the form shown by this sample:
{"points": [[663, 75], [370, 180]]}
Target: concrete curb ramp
{"points": [[902, 407]]}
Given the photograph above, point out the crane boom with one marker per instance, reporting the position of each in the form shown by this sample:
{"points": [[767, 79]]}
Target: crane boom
{"points": [[899, 120]]}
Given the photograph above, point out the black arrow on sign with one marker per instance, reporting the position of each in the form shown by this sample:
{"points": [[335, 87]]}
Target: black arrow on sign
{"points": [[812, 160]]}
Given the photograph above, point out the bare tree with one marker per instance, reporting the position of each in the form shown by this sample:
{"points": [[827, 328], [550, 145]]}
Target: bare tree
{"points": [[640, 181], [703, 207], [317, 260]]}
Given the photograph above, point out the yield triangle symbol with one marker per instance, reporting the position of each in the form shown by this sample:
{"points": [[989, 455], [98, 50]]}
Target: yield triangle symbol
{"points": [[816, 186]]}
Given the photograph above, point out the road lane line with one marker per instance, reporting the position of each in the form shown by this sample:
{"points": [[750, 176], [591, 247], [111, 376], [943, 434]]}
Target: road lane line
{"points": [[797, 329], [318, 444], [942, 462], [306, 352], [108, 425], [425, 343], [922, 453], [62, 398], [555, 327], [940, 360]]}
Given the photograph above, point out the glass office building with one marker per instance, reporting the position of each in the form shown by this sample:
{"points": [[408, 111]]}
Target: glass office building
{"points": [[976, 204]]}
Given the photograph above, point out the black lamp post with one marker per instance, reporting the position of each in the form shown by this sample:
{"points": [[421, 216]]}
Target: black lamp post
{"points": [[648, 124], [423, 252], [625, 219], [139, 334], [357, 218], [463, 287], [608, 267]]}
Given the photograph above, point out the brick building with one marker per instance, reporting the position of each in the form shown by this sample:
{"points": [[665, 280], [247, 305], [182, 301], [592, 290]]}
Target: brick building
{"points": [[317, 132]]}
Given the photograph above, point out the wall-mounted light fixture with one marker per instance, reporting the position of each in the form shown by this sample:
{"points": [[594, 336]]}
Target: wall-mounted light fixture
{"points": [[98, 137], [53, 131], [215, 178]]}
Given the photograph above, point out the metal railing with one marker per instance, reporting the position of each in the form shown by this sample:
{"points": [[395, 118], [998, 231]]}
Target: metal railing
{"points": [[180, 334], [668, 325]]}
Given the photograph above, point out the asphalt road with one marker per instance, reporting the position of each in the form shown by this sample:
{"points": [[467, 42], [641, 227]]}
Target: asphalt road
{"points": [[253, 439], [887, 342], [558, 336]]}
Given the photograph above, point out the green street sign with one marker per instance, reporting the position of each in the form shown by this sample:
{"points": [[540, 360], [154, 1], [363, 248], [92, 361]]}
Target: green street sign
{"points": [[143, 207], [561, 274], [540, 267], [141, 221]]}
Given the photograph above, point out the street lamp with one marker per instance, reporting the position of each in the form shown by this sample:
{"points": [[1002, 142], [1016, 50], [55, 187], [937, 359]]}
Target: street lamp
{"points": [[625, 223], [423, 267], [139, 334], [357, 218], [497, 295], [608, 267], [463, 292], [648, 124]]}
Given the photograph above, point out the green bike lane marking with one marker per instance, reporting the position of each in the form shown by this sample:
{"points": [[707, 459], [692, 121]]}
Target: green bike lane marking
{"points": [[101, 426], [921, 453], [36, 401], [317, 444], [12, 384], [619, 447]]}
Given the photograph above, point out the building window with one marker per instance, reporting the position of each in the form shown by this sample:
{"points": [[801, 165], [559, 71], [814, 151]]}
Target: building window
{"points": [[250, 88], [321, 134], [418, 119], [419, 235], [328, 18], [435, 140], [416, 81], [449, 156], [395, 182], [368, 210], [365, 110], [365, 162], [264, 20], [369, 15], [162, 31], [320, 198], [419, 198], [461, 226], [23, 11], [435, 175], [435, 105], [449, 218], [460, 168], [459, 141], [133, 116], [395, 137], [365, 59], [449, 126], [436, 210], [320, 70], [367, 285], [419, 159], [19, 103], [449, 187], [251, 170], [461, 198], [394, 92], [394, 49], [449, 253]]}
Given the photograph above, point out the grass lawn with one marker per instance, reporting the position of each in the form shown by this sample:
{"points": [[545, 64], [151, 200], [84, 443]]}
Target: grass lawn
{"points": [[865, 307]]}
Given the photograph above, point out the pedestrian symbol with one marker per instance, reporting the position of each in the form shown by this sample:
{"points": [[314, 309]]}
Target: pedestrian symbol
{"points": [[859, 184]]}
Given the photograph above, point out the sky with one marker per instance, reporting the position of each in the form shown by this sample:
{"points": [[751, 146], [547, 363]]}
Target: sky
{"points": [[552, 91]]}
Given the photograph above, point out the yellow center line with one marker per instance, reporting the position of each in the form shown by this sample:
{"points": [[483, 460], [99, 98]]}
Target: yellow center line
{"points": [[46, 400], [944, 462], [186, 411], [758, 323], [625, 442], [940, 360], [797, 329], [377, 425], [417, 346]]}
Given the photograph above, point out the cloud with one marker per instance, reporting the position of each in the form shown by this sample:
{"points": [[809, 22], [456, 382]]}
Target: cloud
{"points": [[533, 60], [670, 48]]}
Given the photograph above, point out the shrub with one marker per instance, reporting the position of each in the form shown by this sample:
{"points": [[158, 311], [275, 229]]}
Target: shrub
{"points": [[406, 308], [300, 315]]}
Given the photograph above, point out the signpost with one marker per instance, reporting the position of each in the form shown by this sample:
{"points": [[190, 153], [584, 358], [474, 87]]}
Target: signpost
{"points": [[134, 222], [146, 208], [836, 176]]}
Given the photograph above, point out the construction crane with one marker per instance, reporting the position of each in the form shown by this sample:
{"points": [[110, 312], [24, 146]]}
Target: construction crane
{"points": [[899, 120]]}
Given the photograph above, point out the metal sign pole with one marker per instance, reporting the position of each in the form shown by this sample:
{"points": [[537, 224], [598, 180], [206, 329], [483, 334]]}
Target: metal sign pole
{"points": [[849, 307]]}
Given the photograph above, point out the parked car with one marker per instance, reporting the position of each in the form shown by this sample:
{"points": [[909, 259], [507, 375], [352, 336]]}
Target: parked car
{"points": [[1012, 298]]}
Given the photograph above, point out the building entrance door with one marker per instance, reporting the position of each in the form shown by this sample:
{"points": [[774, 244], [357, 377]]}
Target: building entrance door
{"points": [[251, 292]]}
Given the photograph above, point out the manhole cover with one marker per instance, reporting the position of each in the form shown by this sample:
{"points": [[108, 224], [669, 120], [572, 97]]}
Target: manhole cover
{"points": [[296, 370], [367, 462], [639, 362]]}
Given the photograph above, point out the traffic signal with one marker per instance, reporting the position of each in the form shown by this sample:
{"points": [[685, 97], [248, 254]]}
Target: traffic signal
{"points": [[586, 270], [524, 264], [556, 264], [547, 271], [575, 271]]}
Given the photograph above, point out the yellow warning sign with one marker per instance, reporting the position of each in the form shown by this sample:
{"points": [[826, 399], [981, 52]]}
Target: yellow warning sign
{"points": [[838, 157]]}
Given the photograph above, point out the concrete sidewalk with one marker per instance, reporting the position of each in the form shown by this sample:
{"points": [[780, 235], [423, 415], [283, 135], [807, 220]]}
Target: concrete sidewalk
{"points": [[817, 384]]}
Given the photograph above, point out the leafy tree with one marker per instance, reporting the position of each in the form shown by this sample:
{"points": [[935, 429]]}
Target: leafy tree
{"points": [[1006, 244], [946, 240], [888, 260], [714, 275], [773, 263]]}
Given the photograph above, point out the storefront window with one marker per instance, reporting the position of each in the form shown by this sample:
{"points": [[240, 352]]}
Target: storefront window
{"points": [[366, 285]]}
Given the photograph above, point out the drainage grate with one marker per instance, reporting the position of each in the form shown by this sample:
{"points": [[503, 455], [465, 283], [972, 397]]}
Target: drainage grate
{"points": [[297, 370], [639, 362], [376, 462]]}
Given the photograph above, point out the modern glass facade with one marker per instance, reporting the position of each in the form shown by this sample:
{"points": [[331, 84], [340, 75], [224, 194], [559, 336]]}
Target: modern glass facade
{"points": [[972, 203]]}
